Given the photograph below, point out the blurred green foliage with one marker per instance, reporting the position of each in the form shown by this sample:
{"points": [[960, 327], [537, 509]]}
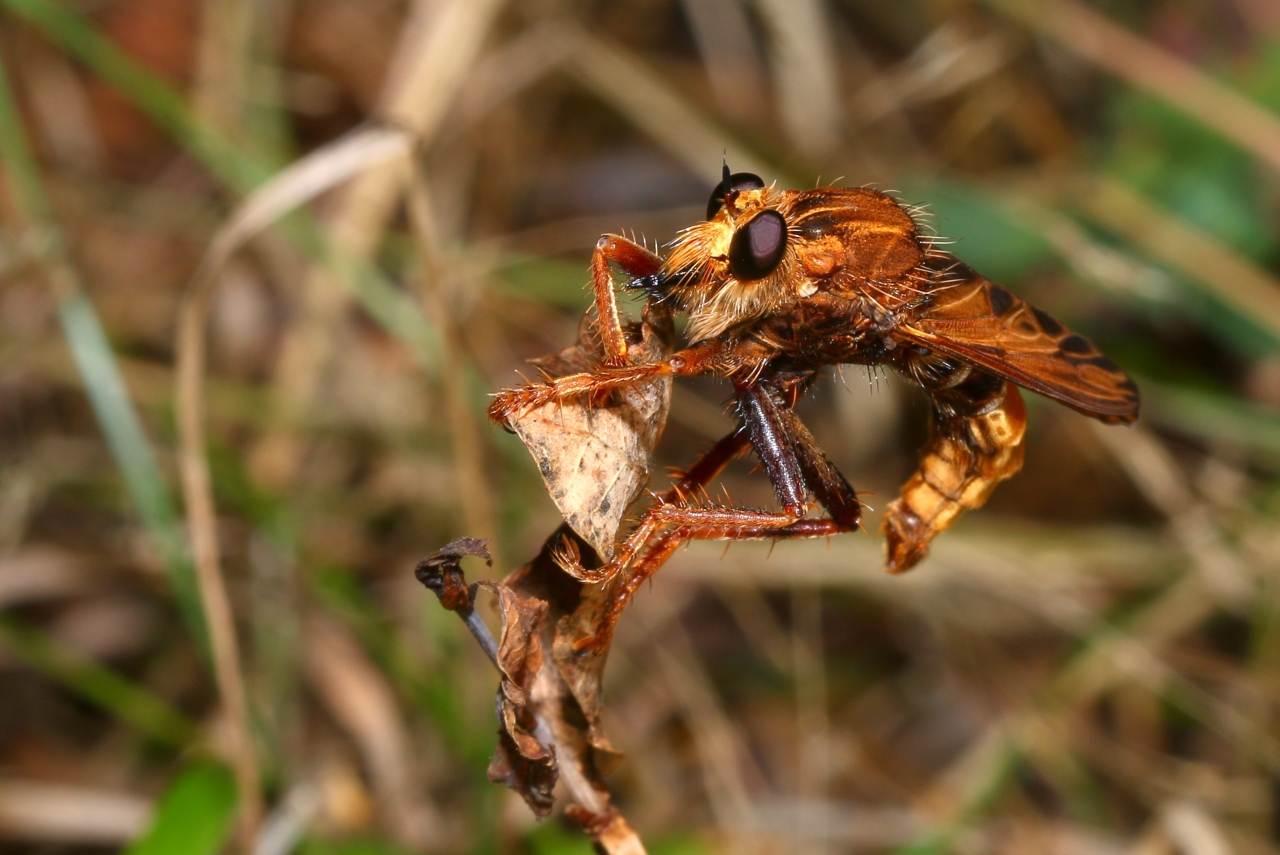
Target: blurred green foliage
{"points": [[193, 816]]}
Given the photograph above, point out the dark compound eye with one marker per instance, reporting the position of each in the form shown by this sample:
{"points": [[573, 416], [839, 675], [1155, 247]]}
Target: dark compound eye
{"points": [[757, 247], [738, 181]]}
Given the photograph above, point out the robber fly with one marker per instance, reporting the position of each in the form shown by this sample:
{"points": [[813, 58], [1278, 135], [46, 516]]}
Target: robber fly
{"points": [[777, 285]]}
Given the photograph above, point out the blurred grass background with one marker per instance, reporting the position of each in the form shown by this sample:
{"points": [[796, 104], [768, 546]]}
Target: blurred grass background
{"points": [[1087, 666]]}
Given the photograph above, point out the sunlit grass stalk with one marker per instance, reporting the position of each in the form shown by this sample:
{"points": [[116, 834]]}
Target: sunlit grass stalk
{"points": [[97, 365]]}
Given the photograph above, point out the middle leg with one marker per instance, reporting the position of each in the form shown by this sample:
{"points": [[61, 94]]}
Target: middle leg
{"points": [[795, 466], [793, 461]]}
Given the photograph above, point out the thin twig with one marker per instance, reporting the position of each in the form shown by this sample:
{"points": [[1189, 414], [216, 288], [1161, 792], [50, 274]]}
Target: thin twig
{"points": [[442, 573]]}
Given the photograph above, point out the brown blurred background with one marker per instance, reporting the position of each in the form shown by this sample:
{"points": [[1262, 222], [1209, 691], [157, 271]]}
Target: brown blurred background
{"points": [[1089, 665]]}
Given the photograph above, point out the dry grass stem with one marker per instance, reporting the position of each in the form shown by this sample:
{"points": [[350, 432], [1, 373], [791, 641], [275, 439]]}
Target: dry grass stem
{"points": [[47, 814], [805, 74], [653, 106], [438, 46], [202, 530], [294, 186], [357, 695], [1143, 64], [464, 427], [719, 745]]}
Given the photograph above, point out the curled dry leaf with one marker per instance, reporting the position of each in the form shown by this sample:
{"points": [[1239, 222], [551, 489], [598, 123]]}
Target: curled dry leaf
{"points": [[441, 571], [594, 456], [574, 612], [548, 705], [521, 762]]}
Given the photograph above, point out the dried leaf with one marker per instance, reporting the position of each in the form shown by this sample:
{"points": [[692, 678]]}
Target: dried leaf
{"points": [[441, 571], [548, 706], [575, 611], [521, 761], [595, 457]]}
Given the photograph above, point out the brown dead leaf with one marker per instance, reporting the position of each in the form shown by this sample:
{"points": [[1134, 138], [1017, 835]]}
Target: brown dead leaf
{"points": [[521, 762], [595, 458], [575, 610], [548, 706]]}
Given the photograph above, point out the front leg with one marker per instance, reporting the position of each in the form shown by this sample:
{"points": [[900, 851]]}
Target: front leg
{"points": [[638, 263]]}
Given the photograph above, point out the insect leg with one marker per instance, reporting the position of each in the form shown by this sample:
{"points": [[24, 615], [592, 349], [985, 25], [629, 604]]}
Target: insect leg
{"points": [[637, 262], [695, 478], [828, 484], [790, 456], [771, 437], [669, 526], [975, 443], [511, 403], [793, 460], [670, 522]]}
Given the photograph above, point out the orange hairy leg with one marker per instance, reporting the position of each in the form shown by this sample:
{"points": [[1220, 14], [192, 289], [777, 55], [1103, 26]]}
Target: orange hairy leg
{"points": [[617, 369], [975, 443], [795, 465], [638, 263], [701, 359]]}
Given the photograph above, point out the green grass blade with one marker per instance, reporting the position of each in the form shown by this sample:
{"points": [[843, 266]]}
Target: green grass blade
{"points": [[98, 368], [131, 450], [193, 816], [153, 95], [240, 171], [98, 685]]}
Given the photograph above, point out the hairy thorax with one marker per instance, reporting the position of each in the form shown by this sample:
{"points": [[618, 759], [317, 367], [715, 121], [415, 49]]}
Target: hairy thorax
{"points": [[855, 243]]}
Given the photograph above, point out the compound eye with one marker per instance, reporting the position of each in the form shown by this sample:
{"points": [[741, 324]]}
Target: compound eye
{"points": [[737, 182], [757, 247]]}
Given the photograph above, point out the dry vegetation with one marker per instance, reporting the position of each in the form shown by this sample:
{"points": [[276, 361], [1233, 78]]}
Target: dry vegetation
{"points": [[261, 263]]}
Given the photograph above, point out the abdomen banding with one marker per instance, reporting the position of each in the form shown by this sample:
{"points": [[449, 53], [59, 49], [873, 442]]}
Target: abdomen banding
{"points": [[975, 442]]}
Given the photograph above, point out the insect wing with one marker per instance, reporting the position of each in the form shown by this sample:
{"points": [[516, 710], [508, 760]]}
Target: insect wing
{"points": [[972, 318]]}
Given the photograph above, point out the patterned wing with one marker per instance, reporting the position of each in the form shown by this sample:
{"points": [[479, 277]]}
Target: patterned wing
{"points": [[973, 319]]}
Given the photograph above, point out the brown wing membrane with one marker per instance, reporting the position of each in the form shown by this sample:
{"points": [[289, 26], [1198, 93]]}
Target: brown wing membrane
{"points": [[974, 319]]}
